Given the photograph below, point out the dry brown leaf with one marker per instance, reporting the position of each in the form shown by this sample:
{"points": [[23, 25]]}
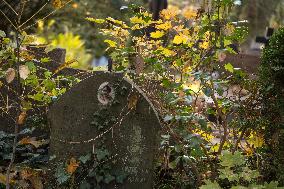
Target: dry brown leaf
{"points": [[36, 182], [72, 166], [10, 75], [132, 101], [24, 71], [33, 141], [22, 118], [57, 3], [33, 177]]}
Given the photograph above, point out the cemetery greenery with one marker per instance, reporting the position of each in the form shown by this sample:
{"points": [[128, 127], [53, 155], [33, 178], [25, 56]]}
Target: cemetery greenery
{"points": [[221, 130]]}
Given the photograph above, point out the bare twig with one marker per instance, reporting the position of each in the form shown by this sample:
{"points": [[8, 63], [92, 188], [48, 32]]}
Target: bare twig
{"points": [[8, 19], [10, 7], [33, 15]]}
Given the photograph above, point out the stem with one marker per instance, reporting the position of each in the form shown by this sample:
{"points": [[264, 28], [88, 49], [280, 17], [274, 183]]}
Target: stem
{"points": [[16, 129]]}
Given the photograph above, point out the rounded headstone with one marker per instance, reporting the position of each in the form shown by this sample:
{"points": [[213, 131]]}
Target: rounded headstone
{"points": [[110, 110]]}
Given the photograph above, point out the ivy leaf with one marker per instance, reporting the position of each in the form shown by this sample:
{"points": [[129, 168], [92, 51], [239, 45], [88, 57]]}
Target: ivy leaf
{"points": [[229, 67], [61, 175], [10, 75], [120, 178], [2, 33], [101, 154], [85, 158], [85, 185], [108, 178]]}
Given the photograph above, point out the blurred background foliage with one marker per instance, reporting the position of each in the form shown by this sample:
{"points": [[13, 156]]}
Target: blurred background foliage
{"points": [[67, 27]]}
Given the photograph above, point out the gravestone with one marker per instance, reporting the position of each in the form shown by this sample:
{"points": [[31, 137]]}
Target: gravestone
{"points": [[107, 109]]}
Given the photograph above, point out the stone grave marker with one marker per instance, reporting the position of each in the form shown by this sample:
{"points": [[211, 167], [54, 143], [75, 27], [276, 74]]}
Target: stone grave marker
{"points": [[107, 110]]}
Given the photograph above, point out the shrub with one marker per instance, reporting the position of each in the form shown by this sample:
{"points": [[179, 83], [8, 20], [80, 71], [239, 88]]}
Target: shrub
{"points": [[271, 76]]}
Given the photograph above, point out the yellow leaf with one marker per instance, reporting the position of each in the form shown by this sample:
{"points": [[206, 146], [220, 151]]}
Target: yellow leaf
{"points": [[137, 20], [98, 21], [178, 39], [204, 45], [111, 43], [72, 166], [190, 13], [164, 26], [157, 34], [170, 13], [256, 140], [166, 52]]}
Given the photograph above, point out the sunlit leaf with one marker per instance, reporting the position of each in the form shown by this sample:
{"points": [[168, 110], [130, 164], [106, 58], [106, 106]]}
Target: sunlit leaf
{"points": [[111, 43], [157, 34], [229, 67]]}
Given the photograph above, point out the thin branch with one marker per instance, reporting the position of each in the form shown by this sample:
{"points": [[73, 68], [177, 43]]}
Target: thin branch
{"points": [[51, 13], [10, 7], [8, 19], [33, 15], [8, 172]]}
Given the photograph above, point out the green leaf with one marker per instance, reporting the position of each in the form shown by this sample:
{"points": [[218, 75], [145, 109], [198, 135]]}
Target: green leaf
{"points": [[210, 185], [229, 67], [31, 66], [85, 158], [2, 33], [120, 178], [231, 160], [45, 60], [61, 175], [108, 178], [85, 185], [101, 154]]}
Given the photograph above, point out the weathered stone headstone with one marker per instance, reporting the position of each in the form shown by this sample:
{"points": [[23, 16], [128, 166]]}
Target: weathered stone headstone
{"points": [[106, 109]]}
